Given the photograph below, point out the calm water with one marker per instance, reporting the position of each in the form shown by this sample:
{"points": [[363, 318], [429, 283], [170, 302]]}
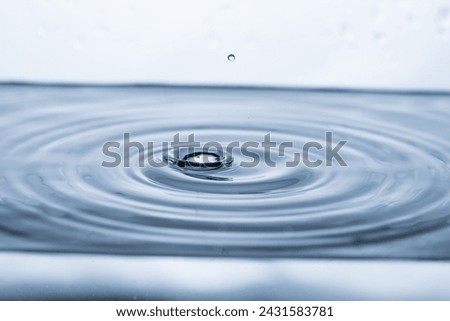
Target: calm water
{"points": [[391, 201]]}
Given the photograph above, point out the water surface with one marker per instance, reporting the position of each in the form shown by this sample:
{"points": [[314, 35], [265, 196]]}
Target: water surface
{"points": [[391, 201]]}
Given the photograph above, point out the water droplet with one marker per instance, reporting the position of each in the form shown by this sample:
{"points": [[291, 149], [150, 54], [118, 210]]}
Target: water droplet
{"points": [[231, 57]]}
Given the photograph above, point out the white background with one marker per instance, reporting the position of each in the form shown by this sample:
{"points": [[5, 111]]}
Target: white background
{"points": [[395, 44], [342, 311]]}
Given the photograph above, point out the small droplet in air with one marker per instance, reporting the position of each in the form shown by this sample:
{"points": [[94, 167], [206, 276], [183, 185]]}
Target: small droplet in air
{"points": [[231, 57]]}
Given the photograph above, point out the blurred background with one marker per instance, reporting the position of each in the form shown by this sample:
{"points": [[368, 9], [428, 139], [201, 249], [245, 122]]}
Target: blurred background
{"points": [[375, 44]]}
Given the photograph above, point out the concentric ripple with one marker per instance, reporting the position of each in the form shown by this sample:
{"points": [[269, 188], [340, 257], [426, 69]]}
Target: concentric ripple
{"points": [[56, 196]]}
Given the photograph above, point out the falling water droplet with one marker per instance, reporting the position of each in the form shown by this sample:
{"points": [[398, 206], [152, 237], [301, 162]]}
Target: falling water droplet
{"points": [[231, 57]]}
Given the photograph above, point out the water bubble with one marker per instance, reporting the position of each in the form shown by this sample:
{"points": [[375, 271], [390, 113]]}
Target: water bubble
{"points": [[231, 57]]}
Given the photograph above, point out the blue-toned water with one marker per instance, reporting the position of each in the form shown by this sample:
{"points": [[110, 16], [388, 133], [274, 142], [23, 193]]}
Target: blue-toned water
{"points": [[392, 200]]}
